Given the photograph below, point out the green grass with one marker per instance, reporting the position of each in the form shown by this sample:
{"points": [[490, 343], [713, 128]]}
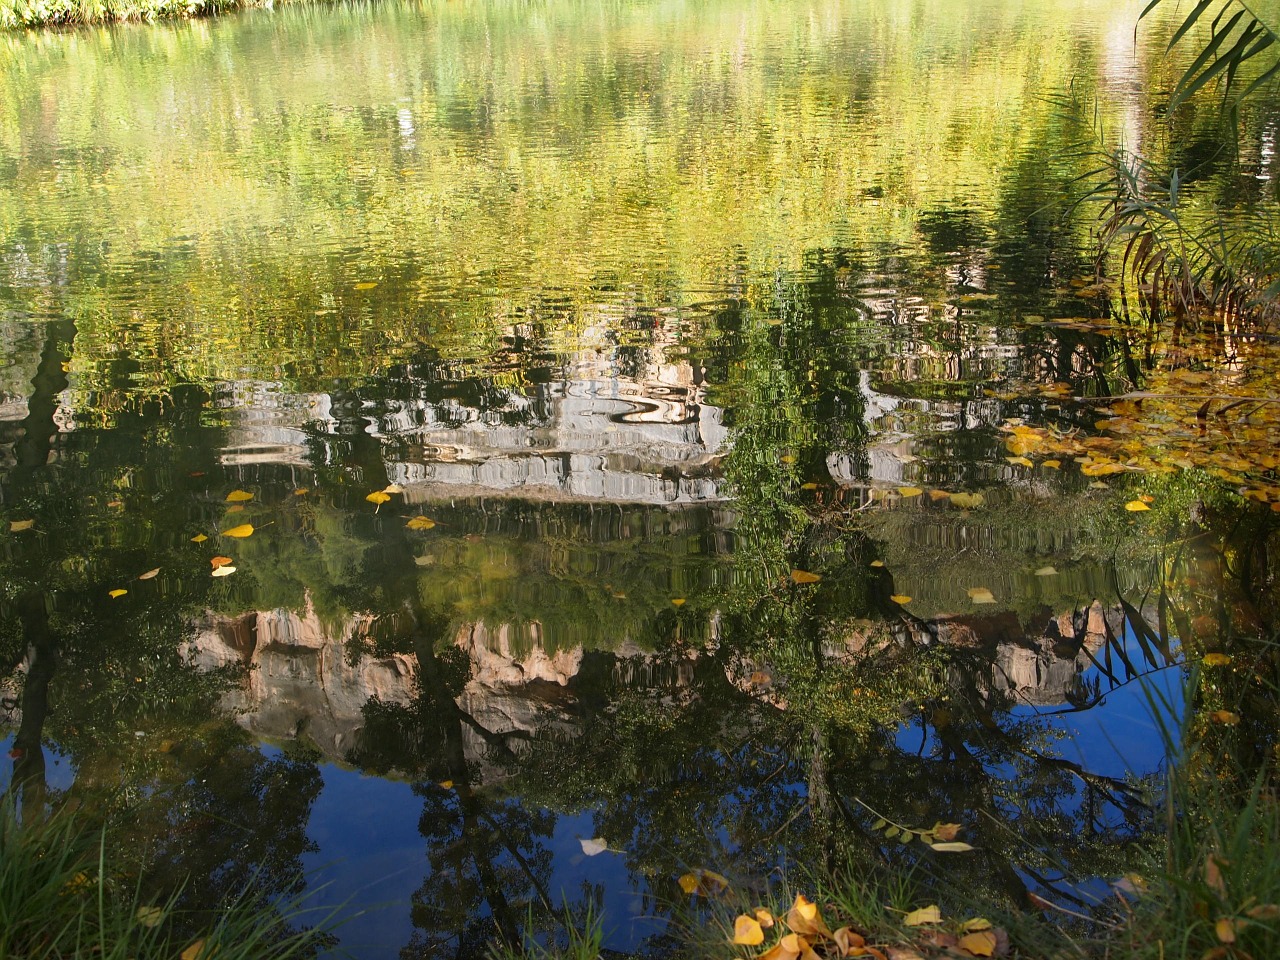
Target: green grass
{"points": [[64, 894]]}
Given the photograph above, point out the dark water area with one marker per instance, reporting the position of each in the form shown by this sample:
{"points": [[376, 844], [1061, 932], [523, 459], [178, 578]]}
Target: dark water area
{"points": [[470, 460]]}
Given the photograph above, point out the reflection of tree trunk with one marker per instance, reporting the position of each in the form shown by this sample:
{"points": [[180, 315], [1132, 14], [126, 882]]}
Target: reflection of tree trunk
{"points": [[28, 477]]}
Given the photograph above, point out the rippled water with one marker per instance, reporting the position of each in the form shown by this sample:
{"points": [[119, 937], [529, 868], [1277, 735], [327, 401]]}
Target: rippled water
{"points": [[642, 306]]}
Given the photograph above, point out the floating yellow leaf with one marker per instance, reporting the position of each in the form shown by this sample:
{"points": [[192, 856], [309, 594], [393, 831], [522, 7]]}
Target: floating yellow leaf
{"points": [[967, 501], [1052, 464], [678, 601], [1225, 717], [240, 532], [764, 917], [219, 561], [420, 523], [17, 526], [594, 846], [1147, 498], [149, 916], [747, 931], [900, 598], [116, 593], [239, 496], [301, 491], [909, 491], [445, 784], [1046, 572], [704, 883], [199, 538], [847, 941], [193, 951], [980, 944], [936, 495], [393, 488], [224, 571], [115, 503], [1216, 659], [1225, 930], [945, 831], [787, 458], [974, 925], [1020, 461], [149, 575], [981, 595], [804, 576], [366, 285], [378, 497], [1094, 469], [1135, 506], [809, 486], [951, 846], [877, 563], [918, 918]]}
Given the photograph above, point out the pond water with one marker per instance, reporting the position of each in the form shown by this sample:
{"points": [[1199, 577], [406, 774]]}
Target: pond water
{"points": [[744, 374]]}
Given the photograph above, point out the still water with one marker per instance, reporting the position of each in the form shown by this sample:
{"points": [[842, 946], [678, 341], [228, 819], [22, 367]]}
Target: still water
{"points": [[643, 308]]}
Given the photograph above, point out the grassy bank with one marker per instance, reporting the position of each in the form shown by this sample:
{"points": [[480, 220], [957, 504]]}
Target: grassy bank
{"points": [[17, 14], [68, 891]]}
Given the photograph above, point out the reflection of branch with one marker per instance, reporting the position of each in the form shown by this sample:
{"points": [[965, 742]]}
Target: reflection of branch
{"points": [[514, 850]]}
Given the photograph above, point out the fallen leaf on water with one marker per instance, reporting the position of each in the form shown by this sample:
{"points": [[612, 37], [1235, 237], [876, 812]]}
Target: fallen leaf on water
{"points": [[366, 285], [1020, 461], [1225, 930], [909, 491], [946, 831], [149, 575], [704, 883], [938, 495], [848, 941], [764, 917], [1147, 498], [951, 846], [804, 576], [113, 594], [199, 538], [967, 501], [1225, 717], [240, 532], [192, 951], [900, 598], [747, 931], [787, 458], [918, 918], [17, 526], [809, 486], [239, 496], [378, 497], [420, 523], [981, 595], [301, 491], [1046, 572], [224, 571], [678, 601], [445, 784], [877, 563], [594, 846], [1052, 464], [115, 503], [149, 916], [217, 562], [980, 944], [974, 925], [393, 488], [236, 508], [1216, 659], [1136, 506]]}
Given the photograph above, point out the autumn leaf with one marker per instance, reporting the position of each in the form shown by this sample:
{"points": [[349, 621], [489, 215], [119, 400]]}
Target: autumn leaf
{"points": [[199, 538], [679, 601], [301, 491], [193, 951], [224, 571], [764, 917], [981, 595], [908, 492], [925, 915], [975, 925], [877, 563], [1020, 461], [809, 486], [1047, 572], [1216, 659], [149, 916], [114, 594], [393, 488], [379, 497], [980, 944], [747, 931], [954, 846], [804, 576], [900, 598], [149, 575], [804, 918], [593, 847], [946, 831], [936, 495], [1136, 506], [17, 526], [240, 532], [365, 285], [420, 523], [1052, 464], [704, 883], [847, 941], [967, 501], [1225, 717], [217, 562], [239, 496], [1225, 929]]}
